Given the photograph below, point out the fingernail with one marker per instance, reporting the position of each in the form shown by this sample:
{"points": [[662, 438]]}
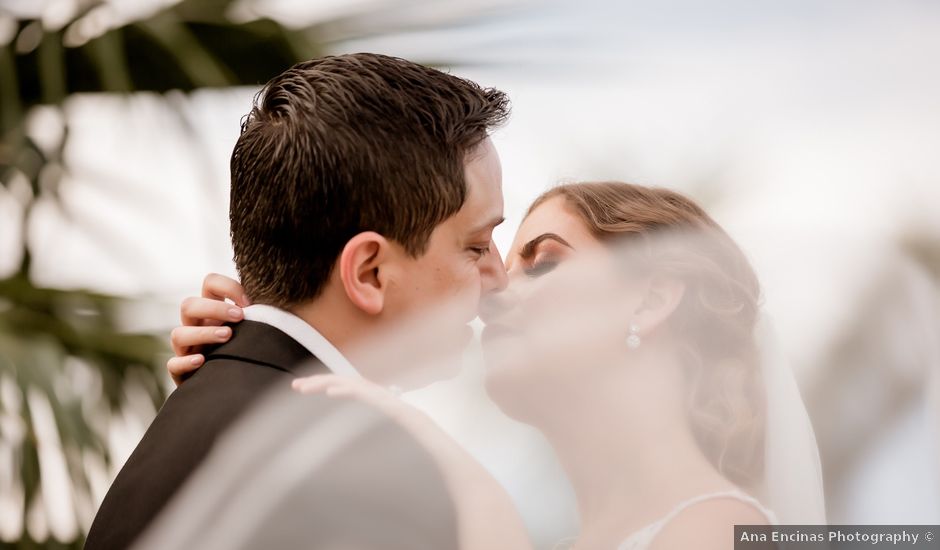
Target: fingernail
{"points": [[222, 332], [235, 313], [196, 360]]}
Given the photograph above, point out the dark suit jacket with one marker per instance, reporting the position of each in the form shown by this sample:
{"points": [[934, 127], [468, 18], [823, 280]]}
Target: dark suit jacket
{"points": [[258, 359]]}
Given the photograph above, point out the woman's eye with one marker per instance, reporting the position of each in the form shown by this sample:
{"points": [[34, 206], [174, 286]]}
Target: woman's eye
{"points": [[540, 269]]}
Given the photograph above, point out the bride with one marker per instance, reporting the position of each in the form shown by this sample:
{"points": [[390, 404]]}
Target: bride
{"points": [[630, 335]]}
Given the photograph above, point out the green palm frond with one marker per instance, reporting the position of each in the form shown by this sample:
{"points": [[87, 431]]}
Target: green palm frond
{"points": [[64, 354]]}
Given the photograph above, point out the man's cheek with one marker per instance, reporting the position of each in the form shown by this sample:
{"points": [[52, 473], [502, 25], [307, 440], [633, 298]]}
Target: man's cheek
{"points": [[468, 282]]}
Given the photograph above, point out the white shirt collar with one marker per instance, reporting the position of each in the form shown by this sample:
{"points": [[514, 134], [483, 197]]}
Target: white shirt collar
{"points": [[304, 334]]}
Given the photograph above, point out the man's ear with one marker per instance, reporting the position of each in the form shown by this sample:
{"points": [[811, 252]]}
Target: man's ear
{"points": [[663, 296], [362, 266]]}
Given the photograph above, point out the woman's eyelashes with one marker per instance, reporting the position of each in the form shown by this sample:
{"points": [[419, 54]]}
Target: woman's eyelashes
{"points": [[540, 268]]}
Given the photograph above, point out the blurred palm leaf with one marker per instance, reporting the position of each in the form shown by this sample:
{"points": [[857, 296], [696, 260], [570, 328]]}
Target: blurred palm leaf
{"points": [[67, 368]]}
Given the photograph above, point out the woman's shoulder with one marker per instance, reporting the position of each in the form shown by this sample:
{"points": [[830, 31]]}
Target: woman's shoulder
{"points": [[705, 522]]}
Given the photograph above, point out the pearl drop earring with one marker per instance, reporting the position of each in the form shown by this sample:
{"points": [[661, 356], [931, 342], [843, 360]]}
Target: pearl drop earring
{"points": [[633, 340]]}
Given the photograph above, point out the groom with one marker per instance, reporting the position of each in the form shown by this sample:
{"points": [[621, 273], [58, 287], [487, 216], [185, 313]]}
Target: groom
{"points": [[364, 191]]}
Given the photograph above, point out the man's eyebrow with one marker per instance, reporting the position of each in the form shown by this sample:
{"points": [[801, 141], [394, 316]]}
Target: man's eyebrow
{"points": [[528, 250], [488, 225]]}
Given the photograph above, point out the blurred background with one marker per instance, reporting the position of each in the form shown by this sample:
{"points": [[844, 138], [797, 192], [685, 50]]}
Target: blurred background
{"points": [[810, 129]]}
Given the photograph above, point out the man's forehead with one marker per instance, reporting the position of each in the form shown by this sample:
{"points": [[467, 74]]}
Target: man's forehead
{"points": [[482, 161], [484, 204], [488, 224]]}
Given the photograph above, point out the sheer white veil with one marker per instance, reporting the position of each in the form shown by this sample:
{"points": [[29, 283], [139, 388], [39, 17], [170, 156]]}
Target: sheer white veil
{"points": [[560, 357], [792, 485]]}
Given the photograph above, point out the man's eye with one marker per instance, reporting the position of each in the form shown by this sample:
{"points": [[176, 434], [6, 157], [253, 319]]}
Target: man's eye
{"points": [[540, 269], [480, 250]]}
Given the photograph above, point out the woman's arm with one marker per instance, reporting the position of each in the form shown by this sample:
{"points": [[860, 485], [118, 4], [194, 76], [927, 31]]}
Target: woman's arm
{"points": [[486, 515]]}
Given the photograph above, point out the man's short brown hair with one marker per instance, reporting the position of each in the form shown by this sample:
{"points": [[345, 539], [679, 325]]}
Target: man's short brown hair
{"points": [[344, 144]]}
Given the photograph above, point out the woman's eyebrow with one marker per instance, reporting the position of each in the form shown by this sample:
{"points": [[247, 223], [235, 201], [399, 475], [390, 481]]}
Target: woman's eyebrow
{"points": [[528, 250]]}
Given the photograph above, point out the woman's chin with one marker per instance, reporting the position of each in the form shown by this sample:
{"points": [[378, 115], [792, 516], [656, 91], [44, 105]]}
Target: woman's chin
{"points": [[505, 371], [510, 386]]}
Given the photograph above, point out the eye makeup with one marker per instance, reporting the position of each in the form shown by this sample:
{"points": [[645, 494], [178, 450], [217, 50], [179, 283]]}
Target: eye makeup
{"points": [[540, 268], [537, 260], [530, 248]]}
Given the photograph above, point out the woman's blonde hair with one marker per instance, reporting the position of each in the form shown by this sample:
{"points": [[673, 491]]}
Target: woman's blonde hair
{"points": [[716, 316]]}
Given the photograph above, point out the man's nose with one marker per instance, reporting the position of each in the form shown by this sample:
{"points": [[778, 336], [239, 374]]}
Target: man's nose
{"points": [[493, 276]]}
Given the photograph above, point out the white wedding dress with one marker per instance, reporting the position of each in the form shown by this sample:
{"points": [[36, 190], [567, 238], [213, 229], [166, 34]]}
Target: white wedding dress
{"points": [[642, 539], [792, 486]]}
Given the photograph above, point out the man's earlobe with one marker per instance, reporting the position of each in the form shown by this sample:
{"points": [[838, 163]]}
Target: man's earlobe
{"points": [[360, 269]]}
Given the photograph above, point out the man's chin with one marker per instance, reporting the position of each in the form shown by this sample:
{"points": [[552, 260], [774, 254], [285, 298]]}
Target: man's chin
{"points": [[447, 370], [449, 348]]}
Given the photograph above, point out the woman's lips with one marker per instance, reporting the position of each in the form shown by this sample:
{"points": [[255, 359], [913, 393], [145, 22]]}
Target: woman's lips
{"points": [[500, 345]]}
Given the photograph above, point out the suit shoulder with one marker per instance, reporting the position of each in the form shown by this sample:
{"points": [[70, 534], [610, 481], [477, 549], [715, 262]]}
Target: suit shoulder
{"points": [[176, 442]]}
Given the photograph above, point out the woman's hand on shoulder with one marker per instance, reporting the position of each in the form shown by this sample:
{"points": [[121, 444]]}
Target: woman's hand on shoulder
{"points": [[202, 321], [383, 399]]}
